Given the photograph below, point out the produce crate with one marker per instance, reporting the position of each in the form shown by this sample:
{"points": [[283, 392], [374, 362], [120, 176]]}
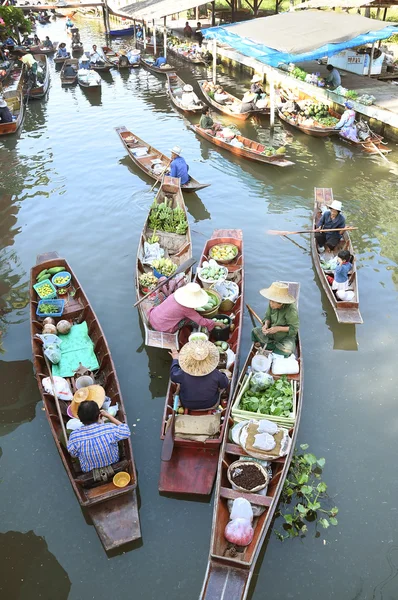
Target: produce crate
{"points": [[59, 304], [243, 415], [47, 282]]}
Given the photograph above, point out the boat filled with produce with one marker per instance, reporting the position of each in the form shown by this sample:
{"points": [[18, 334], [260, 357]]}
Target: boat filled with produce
{"points": [[310, 116]]}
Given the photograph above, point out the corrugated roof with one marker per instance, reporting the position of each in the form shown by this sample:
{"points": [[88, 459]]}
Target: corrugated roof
{"points": [[155, 9]]}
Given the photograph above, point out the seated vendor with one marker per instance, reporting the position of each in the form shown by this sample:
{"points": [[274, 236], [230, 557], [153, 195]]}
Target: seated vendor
{"points": [[281, 321], [5, 113], [48, 43], [220, 96], [331, 219], [188, 96], [62, 51], [333, 80], [179, 309], [256, 87], [96, 443], [160, 61], [206, 122], [346, 125], [195, 369], [248, 102], [178, 166]]}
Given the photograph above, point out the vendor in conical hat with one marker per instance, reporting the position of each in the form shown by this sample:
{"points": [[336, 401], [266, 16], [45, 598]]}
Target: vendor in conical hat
{"points": [[96, 443], [330, 219], [256, 86], [195, 369], [179, 308], [281, 321], [248, 102]]}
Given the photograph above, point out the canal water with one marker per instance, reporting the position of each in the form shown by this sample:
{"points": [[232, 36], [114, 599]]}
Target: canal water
{"points": [[67, 185]]}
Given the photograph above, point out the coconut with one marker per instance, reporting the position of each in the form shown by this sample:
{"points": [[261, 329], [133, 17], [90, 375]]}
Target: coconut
{"points": [[64, 327], [48, 321], [49, 328]]}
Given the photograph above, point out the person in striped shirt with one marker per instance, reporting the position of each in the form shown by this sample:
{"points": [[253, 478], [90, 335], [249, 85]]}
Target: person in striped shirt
{"points": [[96, 443]]}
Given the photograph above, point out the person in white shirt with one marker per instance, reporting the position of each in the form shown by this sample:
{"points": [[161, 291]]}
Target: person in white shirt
{"points": [[188, 97]]}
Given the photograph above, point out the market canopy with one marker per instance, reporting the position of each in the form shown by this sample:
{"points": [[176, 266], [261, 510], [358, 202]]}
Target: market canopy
{"points": [[155, 9], [300, 36]]}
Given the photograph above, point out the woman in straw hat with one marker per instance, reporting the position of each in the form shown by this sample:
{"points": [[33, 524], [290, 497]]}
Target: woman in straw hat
{"points": [[195, 369], [179, 308], [248, 102], [281, 321], [188, 96], [331, 219], [96, 443]]}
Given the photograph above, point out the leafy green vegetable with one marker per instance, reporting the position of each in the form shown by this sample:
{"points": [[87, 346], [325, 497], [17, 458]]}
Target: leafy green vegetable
{"points": [[276, 400]]}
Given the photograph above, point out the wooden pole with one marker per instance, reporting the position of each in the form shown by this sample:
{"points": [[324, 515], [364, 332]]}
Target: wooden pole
{"points": [[134, 35], [144, 35], [371, 60], [272, 100], [385, 14], [104, 16], [164, 38], [154, 37], [197, 14], [214, 61], [213, 13]]}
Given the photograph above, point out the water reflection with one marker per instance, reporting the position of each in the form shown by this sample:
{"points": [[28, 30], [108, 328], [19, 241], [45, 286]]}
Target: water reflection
{"points": [[93, 96], [159, 362], [196, 208], [14, 294], [29, 569], [18, 404]]}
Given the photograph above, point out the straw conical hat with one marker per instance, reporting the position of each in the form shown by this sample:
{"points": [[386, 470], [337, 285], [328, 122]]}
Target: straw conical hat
{"points": [[278, 292], [191, 296], [198, 358], [94, 393]]}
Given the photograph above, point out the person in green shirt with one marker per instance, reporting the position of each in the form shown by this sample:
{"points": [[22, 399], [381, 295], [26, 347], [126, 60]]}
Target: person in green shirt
{"points": [[206, 122], [281, 321]]}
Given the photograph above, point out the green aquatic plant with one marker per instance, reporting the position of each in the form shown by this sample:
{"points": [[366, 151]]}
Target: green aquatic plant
{"points": [[304, 497]]}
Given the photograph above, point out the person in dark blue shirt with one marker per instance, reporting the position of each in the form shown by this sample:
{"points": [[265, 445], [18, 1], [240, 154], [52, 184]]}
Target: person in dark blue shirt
{"points": [[195, 369], [178, 166], [5, 113], [160, 61], [331, 219]]}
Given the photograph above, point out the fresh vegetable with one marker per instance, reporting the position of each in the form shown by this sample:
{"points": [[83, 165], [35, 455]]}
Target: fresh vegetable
{"points": [[55, 270], [62, 291], [351, 94], [163, 217], [61, 280], [48, 328], [48, 321], [47, 308], [212, 272], [212, 302], [223, 252], [45, 290], [64, 327], [154, 238], [276, 400], [148, 280], [165, 266]]}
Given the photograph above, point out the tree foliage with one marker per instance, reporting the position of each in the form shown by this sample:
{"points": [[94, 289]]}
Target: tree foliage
{"points": [[15, 22]]}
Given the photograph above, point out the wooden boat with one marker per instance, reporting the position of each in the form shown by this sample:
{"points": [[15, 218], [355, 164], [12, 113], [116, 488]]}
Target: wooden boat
{"points": [[346, 312], [315, 131], [90, 80], [147, 161], [226, 109], [229, 573], [149, 64], [69, 80], [148, 48], [101, 68], [187, 56], [121, 32], [174, 89], [41, 50], [7, 71], [41, 89], [77, 48], [251, 149], [113, 57], [59, 60], [114, 511], [15, 102], [193, 465], [177, 247]]}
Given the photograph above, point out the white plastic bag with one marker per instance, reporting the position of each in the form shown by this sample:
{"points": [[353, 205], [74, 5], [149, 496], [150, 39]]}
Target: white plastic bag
{"points": [[239, 532], [260, 382], [265, 426], [62, 388], [152, 252], [241, 509], [285, 366], [74, 424], [264, 441]]}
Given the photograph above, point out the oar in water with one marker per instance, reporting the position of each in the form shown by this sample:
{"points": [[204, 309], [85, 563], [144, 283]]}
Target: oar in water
{"points": [[181, 269], [379, 151], [276, 232], [249, 308], [168, 442]]}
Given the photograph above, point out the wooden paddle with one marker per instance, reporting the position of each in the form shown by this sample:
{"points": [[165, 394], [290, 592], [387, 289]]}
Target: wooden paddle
{"points": [[276, 232], [61, 419], [249, 308], [379, 151], [181, 269], [168, 442]]}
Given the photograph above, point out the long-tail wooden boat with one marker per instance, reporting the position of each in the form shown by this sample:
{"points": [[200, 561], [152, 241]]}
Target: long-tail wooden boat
{"points": [[90, 80], [148, 160], [230, 570], [7, 71], [346, 312], [174, 89], [114, 511], [16, 104], [187, 56], [193, 465], [177, 247], [39, 49], [150, 65], [251, 149], [226, 109], [40, 90], [121, 32], [65, 80], [372, 145]]}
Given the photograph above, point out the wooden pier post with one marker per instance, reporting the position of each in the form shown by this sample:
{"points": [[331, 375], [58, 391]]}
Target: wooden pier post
{"points": [[214, 61], [154, 37], [164, 38], [144, 35], [272, 100]]}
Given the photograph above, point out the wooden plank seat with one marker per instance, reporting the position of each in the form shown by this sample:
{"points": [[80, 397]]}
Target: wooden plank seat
{"points": [[230, 494]]}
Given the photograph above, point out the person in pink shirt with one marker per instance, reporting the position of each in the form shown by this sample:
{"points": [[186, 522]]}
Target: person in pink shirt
{"points": [[178, 308]]}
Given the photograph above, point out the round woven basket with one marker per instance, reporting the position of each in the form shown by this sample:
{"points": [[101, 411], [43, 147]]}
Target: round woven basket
{"points": [[241, 463], [225, 261], [216, 309]]}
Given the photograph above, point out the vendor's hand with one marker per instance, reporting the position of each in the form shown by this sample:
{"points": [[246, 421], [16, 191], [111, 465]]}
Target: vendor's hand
{"points": [[272, 330], [174, 354], [339, 260], [264, 329], [105, 414]]}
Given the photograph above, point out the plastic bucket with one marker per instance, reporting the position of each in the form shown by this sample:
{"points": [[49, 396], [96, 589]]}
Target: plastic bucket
{"points": [[84, 381], [222, 334]]}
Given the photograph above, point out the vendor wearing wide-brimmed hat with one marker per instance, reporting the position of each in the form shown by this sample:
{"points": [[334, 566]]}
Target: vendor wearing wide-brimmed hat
{"points": [[195, 369], [281, 321], [179, 308], [188, 96], [331, 219], [256, 87], [96, 443], [248, 102]]}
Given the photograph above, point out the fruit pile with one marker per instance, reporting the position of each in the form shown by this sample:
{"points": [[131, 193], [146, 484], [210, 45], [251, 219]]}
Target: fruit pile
{"points": [[45, 290], [59, 280], [212, 302], [224, 252], [47, 273], [221, 346]]}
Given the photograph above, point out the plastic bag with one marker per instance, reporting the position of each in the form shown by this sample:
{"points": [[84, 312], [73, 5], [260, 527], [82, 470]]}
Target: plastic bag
{"points": [[285, 366], [74, 424], [62, 388], [260, 381], [239, 531], [241, 509], [152, 252], [51, 347], [265, 426], [228, 290], [264, 441]]}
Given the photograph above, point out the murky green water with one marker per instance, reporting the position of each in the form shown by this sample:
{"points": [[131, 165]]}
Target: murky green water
{"points": [[67, 185]]}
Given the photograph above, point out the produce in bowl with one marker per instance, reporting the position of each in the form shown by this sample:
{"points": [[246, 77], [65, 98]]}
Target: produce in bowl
{"points": [[213, 302], [148, 281], [211, 271], [224, 252], [61, 280]]}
